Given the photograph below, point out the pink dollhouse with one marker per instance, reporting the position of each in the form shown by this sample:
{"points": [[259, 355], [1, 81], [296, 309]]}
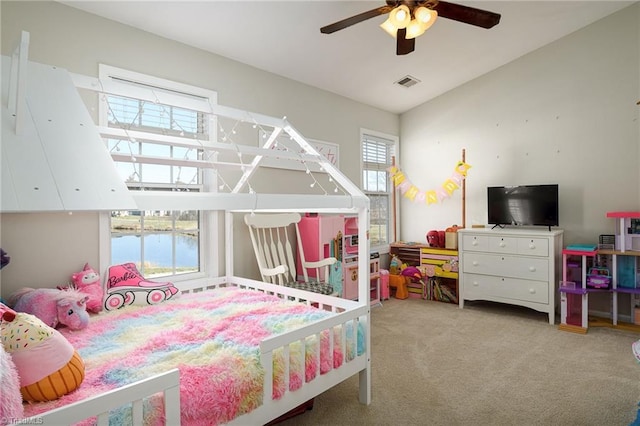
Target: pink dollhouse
{"points": [[622, 276]]}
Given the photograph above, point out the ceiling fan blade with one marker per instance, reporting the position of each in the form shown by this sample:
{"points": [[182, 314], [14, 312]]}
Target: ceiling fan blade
{"points": [[404, 45], [466, 14], [332, 28]]}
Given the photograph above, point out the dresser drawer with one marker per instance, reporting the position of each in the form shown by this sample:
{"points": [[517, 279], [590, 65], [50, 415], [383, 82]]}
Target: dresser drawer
{"points": [[519, 245], [506, 245], [487, 287], [533, 246], [475, 243], [529, 268]]}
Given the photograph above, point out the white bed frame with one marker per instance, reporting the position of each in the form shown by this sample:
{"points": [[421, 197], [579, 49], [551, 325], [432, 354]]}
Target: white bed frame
{"points": [[55, 126], [168, 383], [347, 312]]}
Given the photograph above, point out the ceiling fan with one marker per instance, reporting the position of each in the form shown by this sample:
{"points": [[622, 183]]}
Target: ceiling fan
{"points": [[408, 19]]}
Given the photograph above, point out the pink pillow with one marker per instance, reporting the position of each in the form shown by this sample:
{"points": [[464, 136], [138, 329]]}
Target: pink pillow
{"points": [[47, 364], [125, 285]]}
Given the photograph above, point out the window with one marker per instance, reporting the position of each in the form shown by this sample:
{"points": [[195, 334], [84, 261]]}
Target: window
{"points": [[378, 151], [155, 146]]}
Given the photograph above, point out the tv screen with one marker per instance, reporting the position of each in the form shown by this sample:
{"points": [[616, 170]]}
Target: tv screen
{"points": [[524, 205]]}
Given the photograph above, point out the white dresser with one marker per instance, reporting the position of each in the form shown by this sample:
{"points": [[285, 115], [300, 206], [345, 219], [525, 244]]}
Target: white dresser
{"points": [[512, 265]]}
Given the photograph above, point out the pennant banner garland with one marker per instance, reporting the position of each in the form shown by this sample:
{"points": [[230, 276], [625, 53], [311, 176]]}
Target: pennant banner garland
{"points": [[432, 196]]}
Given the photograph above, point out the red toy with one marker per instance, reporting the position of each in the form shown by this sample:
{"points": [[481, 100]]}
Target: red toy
{"points": [[436, 239]]}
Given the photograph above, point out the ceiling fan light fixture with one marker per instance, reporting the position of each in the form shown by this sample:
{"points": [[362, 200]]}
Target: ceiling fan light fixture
{"points": [[415, 29], [422, 14], [389, 28], [426, 16], [400, 16], [401, 13]]}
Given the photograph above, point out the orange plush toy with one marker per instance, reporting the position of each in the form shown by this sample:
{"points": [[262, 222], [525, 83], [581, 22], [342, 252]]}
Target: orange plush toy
{"points": [[48, 366], [399, 283]]}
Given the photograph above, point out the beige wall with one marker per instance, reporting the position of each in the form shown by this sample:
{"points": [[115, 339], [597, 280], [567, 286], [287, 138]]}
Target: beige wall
{"points": [[47, 248], [565, 113]]}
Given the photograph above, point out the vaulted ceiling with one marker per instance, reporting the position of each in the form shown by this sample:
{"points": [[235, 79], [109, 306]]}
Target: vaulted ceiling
{"points": [[359, 62]]}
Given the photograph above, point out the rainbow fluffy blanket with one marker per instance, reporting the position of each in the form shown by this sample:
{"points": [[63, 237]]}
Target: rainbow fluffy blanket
{"points": [[213, 338]]}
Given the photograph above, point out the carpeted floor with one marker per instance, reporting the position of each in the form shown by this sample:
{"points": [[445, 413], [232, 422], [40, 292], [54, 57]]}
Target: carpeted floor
{"points": [[487, 364]]}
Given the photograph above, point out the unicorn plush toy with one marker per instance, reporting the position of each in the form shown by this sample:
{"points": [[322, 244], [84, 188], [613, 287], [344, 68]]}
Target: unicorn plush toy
{"points": [[53, 307]]}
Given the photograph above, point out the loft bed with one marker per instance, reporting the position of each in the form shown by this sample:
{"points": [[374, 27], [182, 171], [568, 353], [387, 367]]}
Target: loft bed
{"points": [[47, 130]]}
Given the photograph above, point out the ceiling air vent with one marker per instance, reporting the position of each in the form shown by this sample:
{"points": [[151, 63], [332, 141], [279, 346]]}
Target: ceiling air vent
{"points": [[407, 81]]}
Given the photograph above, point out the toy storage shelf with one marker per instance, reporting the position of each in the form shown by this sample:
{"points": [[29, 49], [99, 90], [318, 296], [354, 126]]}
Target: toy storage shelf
{"points": [[438, 263], [408, 253]]}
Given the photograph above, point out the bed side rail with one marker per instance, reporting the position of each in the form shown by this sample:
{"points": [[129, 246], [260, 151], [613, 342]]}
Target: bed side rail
{"points": [[168, 383], [355, 359], [330, 303]]}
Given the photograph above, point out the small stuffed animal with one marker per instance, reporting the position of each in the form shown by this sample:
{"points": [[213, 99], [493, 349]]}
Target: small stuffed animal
{"points": [[88, 282], [47, 365], [413, 273], [394, 265], [52, 306], [436, 238]]}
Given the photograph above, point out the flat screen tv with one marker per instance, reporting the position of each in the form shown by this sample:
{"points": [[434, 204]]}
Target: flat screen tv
{"points": [[523, 205]]}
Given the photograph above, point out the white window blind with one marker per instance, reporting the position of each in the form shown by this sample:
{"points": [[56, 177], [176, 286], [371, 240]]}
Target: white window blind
{"points": [[376, 158], [377, 155]]}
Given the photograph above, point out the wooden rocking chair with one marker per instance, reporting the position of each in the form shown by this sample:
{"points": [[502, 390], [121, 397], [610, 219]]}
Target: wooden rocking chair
{"points": [[276, 257]]}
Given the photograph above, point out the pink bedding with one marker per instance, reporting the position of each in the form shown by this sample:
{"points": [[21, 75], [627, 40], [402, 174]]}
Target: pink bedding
{"points": [[211, 337]]}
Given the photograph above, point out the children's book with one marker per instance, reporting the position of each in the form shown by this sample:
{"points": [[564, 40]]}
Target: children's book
{"points": [[582, 247]]}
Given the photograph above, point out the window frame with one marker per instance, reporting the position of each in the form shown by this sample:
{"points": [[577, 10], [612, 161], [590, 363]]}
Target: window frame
{"points": [[393, 220], [208, 240]]}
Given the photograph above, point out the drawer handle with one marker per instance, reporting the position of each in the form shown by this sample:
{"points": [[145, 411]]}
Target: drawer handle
{"points": [[532, 268], [532, 290], [475, 284], [475, 263], [502, 244], [474, 243], [532, 246]]}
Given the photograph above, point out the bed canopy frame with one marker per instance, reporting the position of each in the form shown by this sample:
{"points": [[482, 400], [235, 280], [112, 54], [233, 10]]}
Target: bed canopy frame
{"points": [[47, 127], [54, 159]]}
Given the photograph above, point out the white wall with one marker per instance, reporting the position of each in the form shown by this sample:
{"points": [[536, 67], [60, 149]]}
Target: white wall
{"points": [[46, 248], [564, 114]]}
